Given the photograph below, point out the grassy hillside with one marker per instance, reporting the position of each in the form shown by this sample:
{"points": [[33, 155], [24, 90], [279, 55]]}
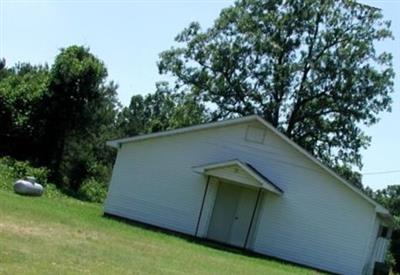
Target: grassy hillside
{"points": [[64, 236]]}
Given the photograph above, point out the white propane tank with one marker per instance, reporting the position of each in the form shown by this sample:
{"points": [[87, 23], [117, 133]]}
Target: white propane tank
{"points": [[28, 186]]}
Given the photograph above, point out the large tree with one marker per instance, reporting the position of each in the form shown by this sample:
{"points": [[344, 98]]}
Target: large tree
{"points": [[60, 117], [76, 78], [79, 112], [85, 155], [308, 67]]}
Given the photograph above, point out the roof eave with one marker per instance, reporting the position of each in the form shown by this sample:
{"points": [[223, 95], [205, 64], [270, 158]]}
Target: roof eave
{"points": [[116, 142], [113, 144]]}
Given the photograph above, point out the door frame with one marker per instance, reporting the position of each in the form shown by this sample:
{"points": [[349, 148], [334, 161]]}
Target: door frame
{"points": [[254, 212]]}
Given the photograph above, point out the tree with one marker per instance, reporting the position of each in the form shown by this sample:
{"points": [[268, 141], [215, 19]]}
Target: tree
{"points": [[61, 117], [2, 64], [308, 67], [162, 110], [390, 198], [85, 156], [75, 82], [22, 89], [354, 177]]}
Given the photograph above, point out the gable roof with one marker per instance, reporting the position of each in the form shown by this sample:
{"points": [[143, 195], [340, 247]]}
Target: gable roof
{"points": [[254, 118], [246, 168], [117, 142]]}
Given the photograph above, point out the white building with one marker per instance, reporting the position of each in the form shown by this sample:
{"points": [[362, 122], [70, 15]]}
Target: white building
{"points": [[242, 183]]}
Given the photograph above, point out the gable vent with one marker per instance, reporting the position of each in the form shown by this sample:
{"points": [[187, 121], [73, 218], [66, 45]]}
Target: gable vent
{"points": [[255, 134]]}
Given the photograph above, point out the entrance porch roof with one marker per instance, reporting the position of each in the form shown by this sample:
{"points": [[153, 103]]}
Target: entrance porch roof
{"points": [[238, 172]]}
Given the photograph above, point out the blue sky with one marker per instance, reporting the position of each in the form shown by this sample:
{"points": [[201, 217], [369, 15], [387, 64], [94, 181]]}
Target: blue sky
{"points": [[128, 35]]}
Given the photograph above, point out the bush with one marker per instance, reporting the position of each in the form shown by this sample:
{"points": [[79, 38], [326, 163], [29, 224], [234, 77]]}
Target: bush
{"points": [[11, 170], [21, 169], [395, 251], [93, 191], [7, 176]]}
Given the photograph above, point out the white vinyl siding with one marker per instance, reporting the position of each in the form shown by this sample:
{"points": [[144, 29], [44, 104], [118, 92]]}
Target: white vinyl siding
{"points": [[208, 207], [318, 221]]}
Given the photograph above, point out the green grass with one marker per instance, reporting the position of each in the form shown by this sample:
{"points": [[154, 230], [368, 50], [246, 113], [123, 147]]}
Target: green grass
{"points": [[67, 236]]}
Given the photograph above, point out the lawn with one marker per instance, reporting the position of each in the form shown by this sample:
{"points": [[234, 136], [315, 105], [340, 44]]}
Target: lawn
{"points": [[67, 236]]}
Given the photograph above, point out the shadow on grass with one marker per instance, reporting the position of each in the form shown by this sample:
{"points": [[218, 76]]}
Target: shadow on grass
{"points": [[208, 243]]}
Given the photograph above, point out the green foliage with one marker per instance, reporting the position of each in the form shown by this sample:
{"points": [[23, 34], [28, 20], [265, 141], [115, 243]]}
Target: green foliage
{"points": [[395, 250], [390, 199], [60, 117], [81, 118], [162, 110], [308, 67], [92, 191], [2, 64], [12, 170], [353, 177], [22, 89], [85, 154], [76, 80]]}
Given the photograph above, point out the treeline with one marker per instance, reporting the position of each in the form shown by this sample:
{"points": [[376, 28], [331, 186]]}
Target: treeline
{"points": [[60, 117]]}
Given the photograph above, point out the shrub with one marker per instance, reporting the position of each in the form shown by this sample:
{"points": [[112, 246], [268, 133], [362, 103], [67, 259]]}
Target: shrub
{"points": [[7, 175], [11, 170], [92, 190], [21, 169]]}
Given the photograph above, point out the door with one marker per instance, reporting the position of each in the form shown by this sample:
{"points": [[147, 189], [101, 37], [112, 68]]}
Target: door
{"points": [[232, 213], [242, 220]]}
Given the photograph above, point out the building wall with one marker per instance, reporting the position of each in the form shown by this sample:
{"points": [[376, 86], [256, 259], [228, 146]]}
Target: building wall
{"points": [[368, 268], [318, 221]]}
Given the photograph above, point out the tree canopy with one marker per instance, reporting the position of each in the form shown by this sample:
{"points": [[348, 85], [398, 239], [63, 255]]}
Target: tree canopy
{"points": [[60, 116], [308, 67], [162, 110], [22, 89]]}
